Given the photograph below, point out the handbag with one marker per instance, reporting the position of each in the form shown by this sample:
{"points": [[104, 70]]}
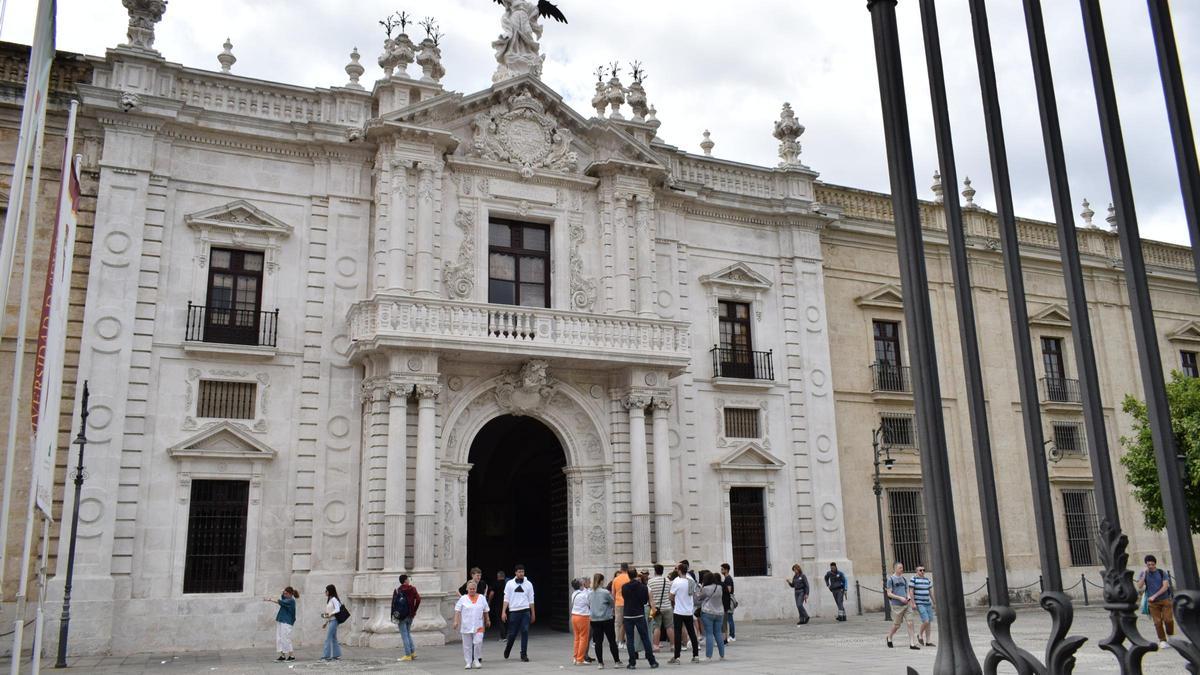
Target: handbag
{"points": [[1145, 603], [654, 611], [343, 615]]}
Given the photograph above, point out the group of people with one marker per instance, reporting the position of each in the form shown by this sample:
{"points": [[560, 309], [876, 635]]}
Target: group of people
{"points": [[835, 581], [909, 596]]}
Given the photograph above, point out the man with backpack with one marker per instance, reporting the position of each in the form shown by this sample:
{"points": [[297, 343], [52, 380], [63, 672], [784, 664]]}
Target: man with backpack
{"points": [[405, 602], [1159, 595]]}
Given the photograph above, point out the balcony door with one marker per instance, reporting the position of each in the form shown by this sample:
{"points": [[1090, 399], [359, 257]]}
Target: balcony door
{"points": [[1056, 372], [232, 310], [888, 373], [736, 356]]}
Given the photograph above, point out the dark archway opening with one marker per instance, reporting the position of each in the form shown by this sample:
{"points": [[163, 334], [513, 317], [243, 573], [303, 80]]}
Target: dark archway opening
{"points": [[517, 510]]}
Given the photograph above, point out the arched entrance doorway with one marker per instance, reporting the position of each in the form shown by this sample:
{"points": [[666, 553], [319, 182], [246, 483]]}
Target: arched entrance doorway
{"points": [[517, 510]]}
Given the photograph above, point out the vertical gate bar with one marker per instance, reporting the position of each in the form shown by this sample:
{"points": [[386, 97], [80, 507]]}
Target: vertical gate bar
{"points": [[1187, 599], [1180, 120], [955, 654], [1000, 614], [1120, 596]]}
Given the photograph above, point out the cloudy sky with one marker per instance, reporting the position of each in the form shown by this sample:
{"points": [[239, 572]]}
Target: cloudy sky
{"points": [[728, 67]]}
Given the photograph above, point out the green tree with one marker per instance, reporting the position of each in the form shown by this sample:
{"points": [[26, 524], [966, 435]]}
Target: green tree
{"points": [[1141, 467]]}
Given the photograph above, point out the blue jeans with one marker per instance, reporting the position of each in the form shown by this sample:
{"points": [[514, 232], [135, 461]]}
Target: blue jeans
{"points": [[406, 635], [518, 622], [332, 649], [635, 626], [712, 633], [729, 622]]}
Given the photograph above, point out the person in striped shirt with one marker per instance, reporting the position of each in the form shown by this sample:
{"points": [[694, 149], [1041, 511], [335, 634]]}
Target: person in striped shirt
{"points": [[922, 589]]}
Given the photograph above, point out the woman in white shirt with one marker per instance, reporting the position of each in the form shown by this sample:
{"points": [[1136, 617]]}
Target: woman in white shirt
{"points": [[333, 605], [581, 617], [471, 619]]}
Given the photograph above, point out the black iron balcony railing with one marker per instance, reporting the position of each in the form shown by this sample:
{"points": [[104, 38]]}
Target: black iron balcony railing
{"points": [[1060, 390], [890, 377], [742, 364], [231, 326]]}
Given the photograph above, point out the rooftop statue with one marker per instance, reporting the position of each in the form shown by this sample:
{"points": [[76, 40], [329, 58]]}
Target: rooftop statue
{"points": [[517, 48]]}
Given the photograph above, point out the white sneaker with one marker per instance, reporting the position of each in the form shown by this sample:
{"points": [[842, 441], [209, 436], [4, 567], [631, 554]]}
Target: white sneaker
{"points": [[469, 666], [1164, 645], [478, 663], [620, 645], [733, 639]]}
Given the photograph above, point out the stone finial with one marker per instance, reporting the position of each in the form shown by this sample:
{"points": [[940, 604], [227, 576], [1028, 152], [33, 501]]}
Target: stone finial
{"points": [[600, 98], [707, 144], [635, 93], [1111, 218], [1087, 213], [143, 14], [226, 57], [430, 56], [968, 194], [399, 51], [937, 186], [355, 70], [787, 132], [615, 92]]}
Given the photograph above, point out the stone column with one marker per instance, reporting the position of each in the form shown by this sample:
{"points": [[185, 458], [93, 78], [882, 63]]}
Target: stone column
{"points": [[424, 249], [396, 488], [426, 477], [397, 260], [663, 499], [621, 237], [638, 484], [645, 257]]}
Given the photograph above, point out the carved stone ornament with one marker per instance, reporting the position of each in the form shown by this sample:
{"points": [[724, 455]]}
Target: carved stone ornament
{"points": [[459, 276], [143, 14], [787, 132], [527, 391], [521, 133], [583, 289]]}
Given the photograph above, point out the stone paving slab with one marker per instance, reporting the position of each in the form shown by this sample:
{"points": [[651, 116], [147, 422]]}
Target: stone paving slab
{"points": [[822, 646]]}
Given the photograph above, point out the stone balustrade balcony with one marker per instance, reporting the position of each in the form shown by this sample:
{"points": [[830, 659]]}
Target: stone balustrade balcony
{"points": [[464, 327]]}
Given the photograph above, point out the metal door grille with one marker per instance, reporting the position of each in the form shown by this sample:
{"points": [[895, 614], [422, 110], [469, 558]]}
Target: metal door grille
{"points": [[742, 423], [229, 400], [216, 537], [906, 522], [748, 524], [1079, 508]]}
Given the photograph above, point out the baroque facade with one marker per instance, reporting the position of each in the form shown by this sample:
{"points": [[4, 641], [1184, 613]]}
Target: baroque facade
{"points": [[337, 334]]}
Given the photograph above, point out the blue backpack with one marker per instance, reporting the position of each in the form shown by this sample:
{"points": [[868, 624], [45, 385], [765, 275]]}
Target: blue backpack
{"points": [[399, 606]]}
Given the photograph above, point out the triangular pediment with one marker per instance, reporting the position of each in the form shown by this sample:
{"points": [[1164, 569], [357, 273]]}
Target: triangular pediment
{"points": [[1188, 331], [224, 440], [750, 457], [737, 274], [239, 215], [1054, 315], [887, 296]]}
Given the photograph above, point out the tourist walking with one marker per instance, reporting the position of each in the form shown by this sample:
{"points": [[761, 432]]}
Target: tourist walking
{"points": [[835, 581], [662, 615], [799, 586], [405, 601], [471, 620], [285, 621], [728, 629], [636, 599], [581, 617], [900, 595], [482, 586], [683, 604], [601, 604], [712, 613], [618, 581], [1157, 583], [333, 615], [922, 591], [519, 611], [497, 603]]}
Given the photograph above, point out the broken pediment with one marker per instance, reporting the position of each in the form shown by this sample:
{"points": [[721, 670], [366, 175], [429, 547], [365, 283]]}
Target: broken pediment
{"points": [[1188, 331], [749, 457], [1054, 315], [224, 440], [887, 296], [239, 215]]}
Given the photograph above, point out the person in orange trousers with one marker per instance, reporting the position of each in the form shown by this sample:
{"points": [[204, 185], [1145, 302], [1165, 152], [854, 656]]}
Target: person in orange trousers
{"points": [[581, 617]]}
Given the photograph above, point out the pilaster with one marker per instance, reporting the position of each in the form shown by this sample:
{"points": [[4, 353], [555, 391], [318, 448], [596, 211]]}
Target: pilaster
{"points": [[640, 491], [664, 534]]}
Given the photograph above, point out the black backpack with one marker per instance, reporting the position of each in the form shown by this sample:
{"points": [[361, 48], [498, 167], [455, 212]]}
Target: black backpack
{"points": [[400, 608]]}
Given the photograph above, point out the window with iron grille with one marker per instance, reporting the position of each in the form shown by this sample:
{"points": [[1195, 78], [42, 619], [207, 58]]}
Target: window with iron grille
{"points": [[228, 400], [1068, 438], [742, 423], [899, 429], [1189, 364], [216, 536], [748, 524], [1079, 509], [906, 522]]}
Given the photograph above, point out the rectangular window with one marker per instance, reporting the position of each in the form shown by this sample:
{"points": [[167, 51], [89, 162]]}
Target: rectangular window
{"points": [[887, 342], [1190, 366], [216, 536], [898, 429], [230, 400], [1052, 358], [906, 523], [1079, 508], [742, 423], [748, 524], [518, 263], [1068, 438], [232, 311], [736, 356]]}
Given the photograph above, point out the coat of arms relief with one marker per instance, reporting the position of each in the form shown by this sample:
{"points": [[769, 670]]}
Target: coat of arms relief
{"points": [[521, 133]]}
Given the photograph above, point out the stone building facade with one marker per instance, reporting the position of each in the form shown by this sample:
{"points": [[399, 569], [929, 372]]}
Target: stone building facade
{"points": [[338, 334]]}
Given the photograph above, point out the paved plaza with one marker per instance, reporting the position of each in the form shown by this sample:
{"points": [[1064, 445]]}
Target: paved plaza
{"points": [[822, 646]]}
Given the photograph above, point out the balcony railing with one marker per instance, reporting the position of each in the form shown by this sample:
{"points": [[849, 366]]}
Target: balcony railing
{"points": [[1060, 390], [742, 364], [227, 325], [533, 331], [890, 377]]}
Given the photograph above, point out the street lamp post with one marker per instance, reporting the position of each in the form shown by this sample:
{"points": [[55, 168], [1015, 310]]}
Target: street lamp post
{"points": [[878, 448], [65, 622]]}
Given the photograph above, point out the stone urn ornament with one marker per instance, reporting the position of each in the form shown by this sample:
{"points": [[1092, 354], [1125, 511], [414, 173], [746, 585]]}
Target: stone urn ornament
{"points": [[788, 131], [635, 94], [400, 51], [430, 56], [615, 93], [600, 99]]}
